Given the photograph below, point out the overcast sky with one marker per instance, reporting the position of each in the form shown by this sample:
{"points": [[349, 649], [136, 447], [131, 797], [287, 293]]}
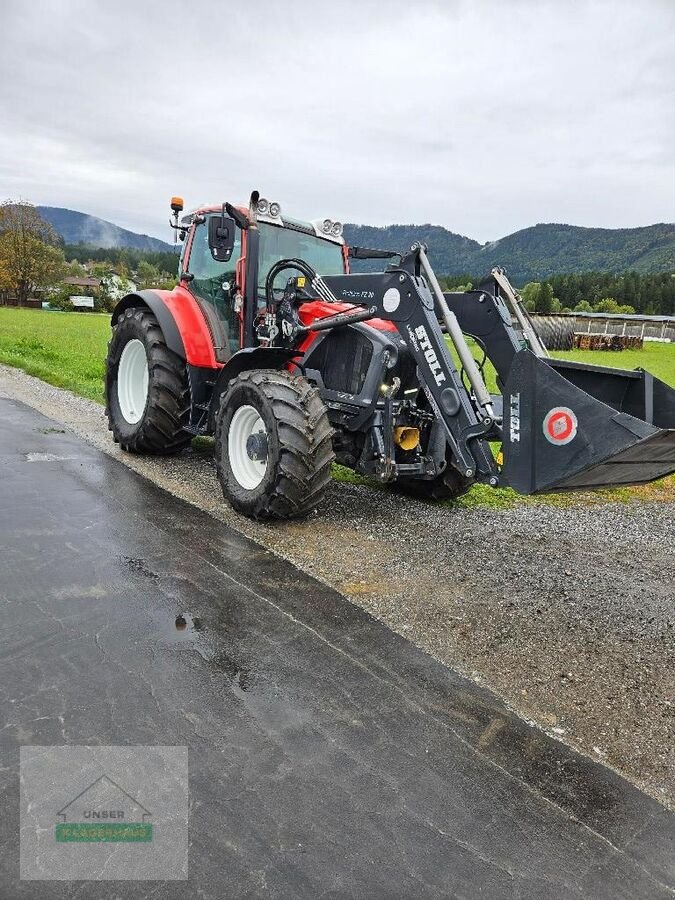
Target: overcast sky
{"points": [[484, 116]]}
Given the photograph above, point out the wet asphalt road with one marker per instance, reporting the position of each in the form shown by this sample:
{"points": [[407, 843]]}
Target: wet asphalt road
{"points": [[328, 756]]}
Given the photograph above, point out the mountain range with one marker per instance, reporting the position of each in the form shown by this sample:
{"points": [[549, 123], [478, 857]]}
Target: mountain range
{"points": [[531, 254], [81, 228], [534, 253]]}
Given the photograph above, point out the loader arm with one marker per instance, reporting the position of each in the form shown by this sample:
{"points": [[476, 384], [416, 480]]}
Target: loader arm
{"points": [[484, 315], [495, 315], [565, 426], [402, 296]]}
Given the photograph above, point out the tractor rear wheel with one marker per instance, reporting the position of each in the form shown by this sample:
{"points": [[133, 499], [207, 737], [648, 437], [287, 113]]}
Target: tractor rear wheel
{"points": [[147, 394], [447, 486], [273, 445]]}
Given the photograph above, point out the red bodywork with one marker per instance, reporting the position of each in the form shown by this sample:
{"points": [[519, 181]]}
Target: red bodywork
{"points": [[192, 325], [319, 309], [188, 316]]}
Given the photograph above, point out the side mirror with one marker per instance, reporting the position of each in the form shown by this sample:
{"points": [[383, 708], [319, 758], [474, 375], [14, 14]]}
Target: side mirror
{"points": [[221, 237]]}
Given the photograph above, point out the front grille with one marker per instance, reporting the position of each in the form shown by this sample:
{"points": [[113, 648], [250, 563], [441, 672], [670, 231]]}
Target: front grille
{"points": [[342, 358]]}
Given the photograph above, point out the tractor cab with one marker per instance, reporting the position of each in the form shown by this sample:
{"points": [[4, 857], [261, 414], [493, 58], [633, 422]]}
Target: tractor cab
{"points": [[228, 252]]}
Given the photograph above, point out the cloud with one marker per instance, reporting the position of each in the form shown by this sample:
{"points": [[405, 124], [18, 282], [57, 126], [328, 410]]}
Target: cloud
{"points": [[483, 116]]}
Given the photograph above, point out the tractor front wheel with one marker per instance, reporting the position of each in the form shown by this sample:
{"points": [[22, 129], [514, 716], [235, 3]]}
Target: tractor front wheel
{"points": [[147, 395], [273, 445]]}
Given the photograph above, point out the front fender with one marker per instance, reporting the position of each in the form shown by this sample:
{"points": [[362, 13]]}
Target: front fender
{"points": [[243, 361]]}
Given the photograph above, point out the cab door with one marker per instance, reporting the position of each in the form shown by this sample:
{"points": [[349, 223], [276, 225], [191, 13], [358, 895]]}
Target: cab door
{"points": [[213, 284]]}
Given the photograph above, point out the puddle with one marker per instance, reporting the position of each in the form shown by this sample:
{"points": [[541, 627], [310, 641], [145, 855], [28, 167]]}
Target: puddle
{"points": [[180, 628], [187, 624], [186, 628]]}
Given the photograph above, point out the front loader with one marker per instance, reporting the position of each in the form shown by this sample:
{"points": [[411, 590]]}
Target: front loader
{"points": [[271, 344]]}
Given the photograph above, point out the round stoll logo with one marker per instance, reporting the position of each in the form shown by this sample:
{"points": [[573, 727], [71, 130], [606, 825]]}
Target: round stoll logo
{"points": [[391, 299], [560, 425]]}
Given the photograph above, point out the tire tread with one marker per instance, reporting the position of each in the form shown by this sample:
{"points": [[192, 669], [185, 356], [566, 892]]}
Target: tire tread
{"points": [[305, 437], [161, 431]]}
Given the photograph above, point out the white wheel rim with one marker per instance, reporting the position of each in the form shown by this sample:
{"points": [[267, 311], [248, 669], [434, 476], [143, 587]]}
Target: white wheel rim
{"points": [[132, 381], [245, 422]]}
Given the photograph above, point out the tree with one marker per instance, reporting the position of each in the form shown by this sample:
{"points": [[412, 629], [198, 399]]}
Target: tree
{"points": [[122, 265], [73, 269], [609, 305], [529, 295], [101, 269], [29, 257], [544, 301], [649, 293], [148, 275], [583, 306], [448, 282]]}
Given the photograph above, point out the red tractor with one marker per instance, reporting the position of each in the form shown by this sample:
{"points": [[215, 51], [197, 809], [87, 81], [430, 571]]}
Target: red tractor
{"points": [[269, 343]]}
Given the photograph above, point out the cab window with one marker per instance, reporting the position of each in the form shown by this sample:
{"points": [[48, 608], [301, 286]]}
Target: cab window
{"points": [[276, 243], [213, 284]]}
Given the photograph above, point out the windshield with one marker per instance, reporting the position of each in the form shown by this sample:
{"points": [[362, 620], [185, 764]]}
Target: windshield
{"points": [[277, 243]]}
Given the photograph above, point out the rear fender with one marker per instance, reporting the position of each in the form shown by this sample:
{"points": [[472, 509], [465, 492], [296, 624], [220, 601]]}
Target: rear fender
{"points": [[183, 325]]}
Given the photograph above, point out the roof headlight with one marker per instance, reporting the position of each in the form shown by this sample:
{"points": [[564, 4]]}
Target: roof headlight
{"points": [[326, 226], [336, 229], [263, 206], [275, 209]]}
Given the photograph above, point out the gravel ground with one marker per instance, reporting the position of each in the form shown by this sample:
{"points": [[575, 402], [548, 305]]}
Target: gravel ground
{"points": [[567, 613]]}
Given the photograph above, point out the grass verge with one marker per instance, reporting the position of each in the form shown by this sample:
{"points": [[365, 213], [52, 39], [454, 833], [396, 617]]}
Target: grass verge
{"points": [[64, 349]]}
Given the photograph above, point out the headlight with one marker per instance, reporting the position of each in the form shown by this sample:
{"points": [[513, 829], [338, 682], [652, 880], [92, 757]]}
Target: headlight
{"points": [[275, 209], [263, 206], [326, 226], [336, 229]]}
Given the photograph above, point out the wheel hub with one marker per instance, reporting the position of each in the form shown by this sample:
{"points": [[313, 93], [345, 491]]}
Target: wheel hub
{"points": [[247, 447], [256, 447]]}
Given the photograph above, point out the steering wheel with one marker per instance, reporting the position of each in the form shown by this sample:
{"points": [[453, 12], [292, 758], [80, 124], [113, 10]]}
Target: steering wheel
{"points": [[299, 265]]}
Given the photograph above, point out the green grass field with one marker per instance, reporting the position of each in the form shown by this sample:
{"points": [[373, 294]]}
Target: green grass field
{"points": [[64, 349], [68, 350], [659, 359]]}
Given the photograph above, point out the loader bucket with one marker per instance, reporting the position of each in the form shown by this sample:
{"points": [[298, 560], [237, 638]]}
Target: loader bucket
{"points": [[568, 426]]}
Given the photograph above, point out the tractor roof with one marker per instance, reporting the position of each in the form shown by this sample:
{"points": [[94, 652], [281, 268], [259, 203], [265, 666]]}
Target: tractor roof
{"points": [[314, 227]]}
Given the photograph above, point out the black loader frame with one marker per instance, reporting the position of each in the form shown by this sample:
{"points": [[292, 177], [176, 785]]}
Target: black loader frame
{"points": [[562, 425]]}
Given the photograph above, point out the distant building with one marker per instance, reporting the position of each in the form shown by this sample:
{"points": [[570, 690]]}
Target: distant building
{"points": [[83, 282]]}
